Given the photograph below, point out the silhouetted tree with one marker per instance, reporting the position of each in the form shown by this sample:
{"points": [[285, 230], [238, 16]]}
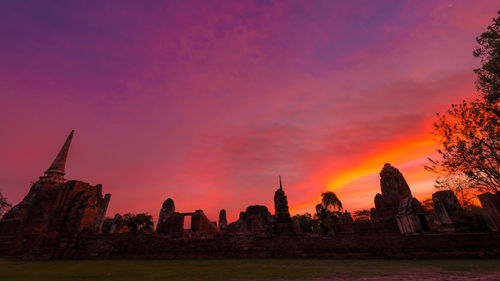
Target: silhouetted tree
{"points": [[306, 223], [469, 136], [461, 186], [469, 132], [330, 201], [139, 222], [4, 205], [330, 206], [488, 75]]}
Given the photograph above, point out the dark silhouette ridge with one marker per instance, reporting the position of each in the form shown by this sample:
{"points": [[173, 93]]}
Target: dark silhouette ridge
{"points": [[62, 219]]}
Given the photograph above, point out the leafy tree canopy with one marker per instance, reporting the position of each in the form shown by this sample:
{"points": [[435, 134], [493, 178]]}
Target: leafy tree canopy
{"points": [[488, 75], [469, 133], [306, 223], [469, 136], [330, 206], [463, 188], [139, 222]]}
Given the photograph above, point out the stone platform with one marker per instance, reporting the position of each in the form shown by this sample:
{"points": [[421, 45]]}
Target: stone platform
{"points": [[382, 245]]}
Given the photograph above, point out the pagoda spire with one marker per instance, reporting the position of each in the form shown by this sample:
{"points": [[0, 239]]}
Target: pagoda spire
{"points": [[56, 171], [283, 222]]}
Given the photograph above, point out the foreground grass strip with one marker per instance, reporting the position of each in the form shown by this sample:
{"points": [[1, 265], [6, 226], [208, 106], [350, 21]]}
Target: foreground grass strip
{"points": [[234, 269]]}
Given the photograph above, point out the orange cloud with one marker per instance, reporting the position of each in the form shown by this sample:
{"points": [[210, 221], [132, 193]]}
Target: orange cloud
{"points": [[397, 153], [394, 153]]}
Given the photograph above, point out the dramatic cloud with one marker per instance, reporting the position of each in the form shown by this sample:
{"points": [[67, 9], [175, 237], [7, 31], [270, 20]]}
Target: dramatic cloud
{"points": [[208, 103]]}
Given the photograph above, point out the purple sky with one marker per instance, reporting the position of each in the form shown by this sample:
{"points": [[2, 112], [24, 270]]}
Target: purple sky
{"points": [[208, 102]]}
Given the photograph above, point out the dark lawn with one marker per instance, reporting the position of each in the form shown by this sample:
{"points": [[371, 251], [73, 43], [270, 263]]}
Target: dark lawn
{"points": [[233, 269]]}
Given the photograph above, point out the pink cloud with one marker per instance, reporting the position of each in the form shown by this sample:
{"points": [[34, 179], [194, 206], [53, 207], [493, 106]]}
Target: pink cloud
{"points": [[208, 103]]}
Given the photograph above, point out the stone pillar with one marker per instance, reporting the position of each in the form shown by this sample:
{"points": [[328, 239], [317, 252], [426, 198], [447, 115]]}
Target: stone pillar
{"points": [[491, 205], [411, 217], [102, 212], [448, 211], [394, 189], [222, 220], [118, 226], [393, 185], [167, 209]]}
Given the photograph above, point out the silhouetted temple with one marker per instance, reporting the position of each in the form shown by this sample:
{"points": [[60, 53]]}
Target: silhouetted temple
{"points": [[53, 211], [63, 219], [283, 223]]}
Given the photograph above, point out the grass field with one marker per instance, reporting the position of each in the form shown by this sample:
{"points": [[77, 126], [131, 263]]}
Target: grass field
{"points": [[238, 269]]}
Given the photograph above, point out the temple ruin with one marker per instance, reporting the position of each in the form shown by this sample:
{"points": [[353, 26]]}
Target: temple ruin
{"points": [[222, 221], [491, 205], [283, 223], [62, 218], [52, 210], [172, 223], [451, 216], [118, 225]]}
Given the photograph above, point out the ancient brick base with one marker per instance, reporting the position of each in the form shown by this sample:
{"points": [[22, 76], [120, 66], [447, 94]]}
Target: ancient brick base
{"points": [[159, 246]]}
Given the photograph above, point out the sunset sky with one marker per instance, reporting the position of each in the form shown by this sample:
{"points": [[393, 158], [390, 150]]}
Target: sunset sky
{"points": [[207, 102]]}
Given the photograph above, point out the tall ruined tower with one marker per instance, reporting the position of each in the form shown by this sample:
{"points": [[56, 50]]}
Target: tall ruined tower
{"points": [[52, 213], [56, 171], [283, 223]]}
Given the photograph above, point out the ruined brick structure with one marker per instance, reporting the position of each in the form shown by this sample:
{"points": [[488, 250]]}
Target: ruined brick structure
{"points": [[167, 209], [283, 223], [52, 209], [255, 219], [118, 225], [396, 208], [172, 223], [201, 225], [222, 221], [491, 205], [412, 216], [450, 215], [349, 245], [62, 219], [102, 212], [394, 189]]}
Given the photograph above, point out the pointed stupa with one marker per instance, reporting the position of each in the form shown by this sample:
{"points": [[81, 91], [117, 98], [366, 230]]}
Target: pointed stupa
{"points": [[283, 222], [56, 171]]}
